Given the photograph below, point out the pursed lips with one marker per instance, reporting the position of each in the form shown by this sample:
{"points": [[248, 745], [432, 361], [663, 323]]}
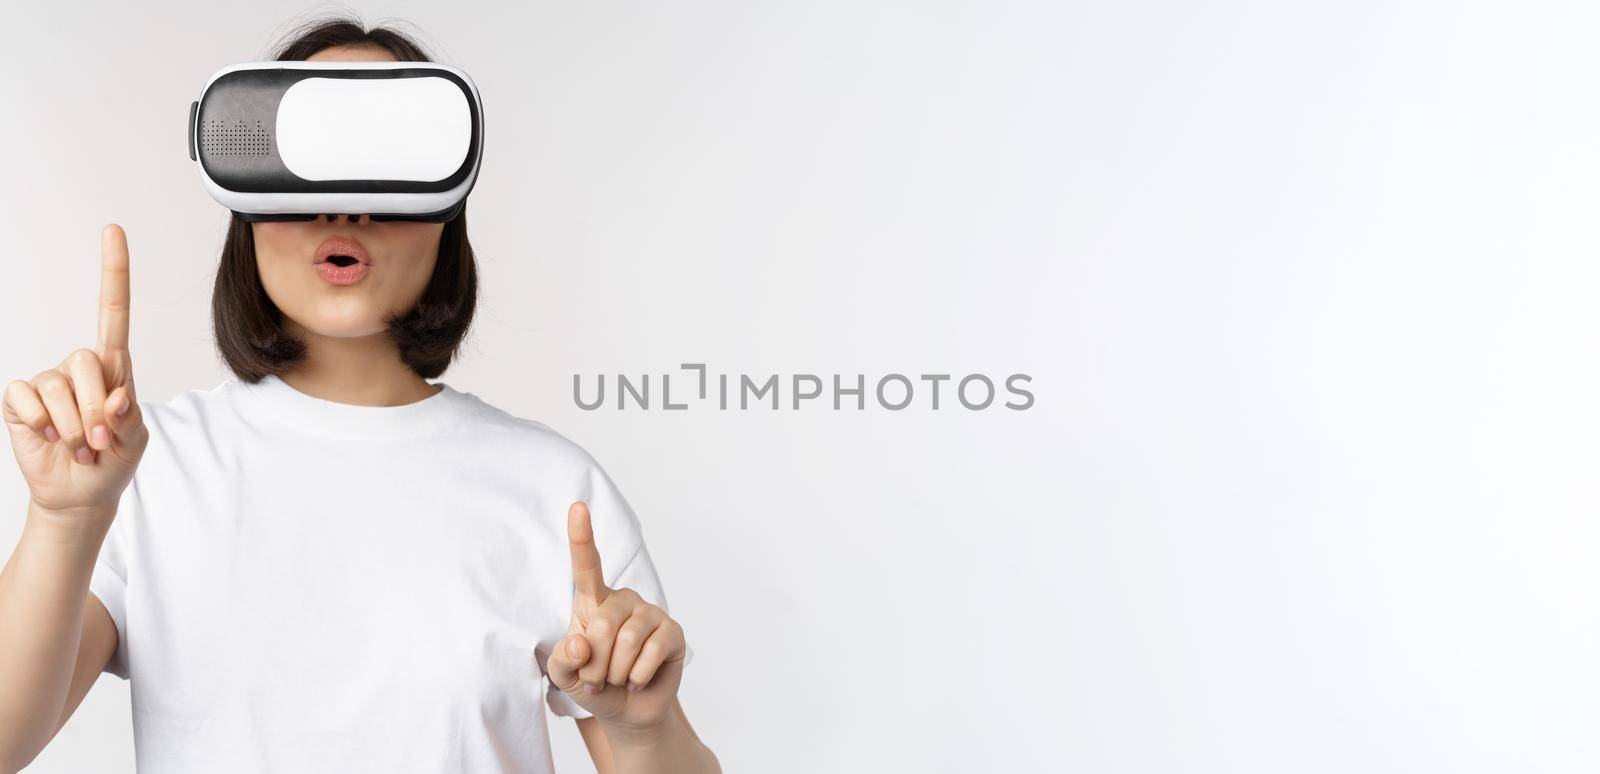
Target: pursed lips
{"points": [[342, 246], [342, 260]]}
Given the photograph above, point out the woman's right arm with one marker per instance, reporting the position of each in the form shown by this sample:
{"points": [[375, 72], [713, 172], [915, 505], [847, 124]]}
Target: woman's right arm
{"points": [[78, 434]]}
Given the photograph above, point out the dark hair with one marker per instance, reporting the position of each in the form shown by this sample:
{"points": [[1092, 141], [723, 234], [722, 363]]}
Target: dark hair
{"points": [[248, 327]]}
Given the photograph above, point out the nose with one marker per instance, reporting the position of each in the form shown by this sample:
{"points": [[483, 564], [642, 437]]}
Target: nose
{"points": [[347, 219]]}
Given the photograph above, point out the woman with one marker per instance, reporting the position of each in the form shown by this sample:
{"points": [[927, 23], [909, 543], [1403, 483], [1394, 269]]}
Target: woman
{"points": [[326, 562]]}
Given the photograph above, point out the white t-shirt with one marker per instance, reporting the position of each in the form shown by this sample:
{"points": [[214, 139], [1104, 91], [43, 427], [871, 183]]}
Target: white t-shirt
{"points": [[301, 585]]}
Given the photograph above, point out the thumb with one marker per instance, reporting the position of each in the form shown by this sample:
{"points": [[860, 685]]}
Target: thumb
{"points": [[128, 432], [569, 654]]}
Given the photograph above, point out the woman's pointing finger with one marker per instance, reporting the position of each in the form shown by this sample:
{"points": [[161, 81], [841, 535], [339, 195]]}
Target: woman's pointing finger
{"points": [[113, 289], [586, 577]]}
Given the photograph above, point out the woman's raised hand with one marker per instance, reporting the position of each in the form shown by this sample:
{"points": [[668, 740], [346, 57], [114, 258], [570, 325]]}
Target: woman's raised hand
{"points": [[76, 429], [622, 659]]}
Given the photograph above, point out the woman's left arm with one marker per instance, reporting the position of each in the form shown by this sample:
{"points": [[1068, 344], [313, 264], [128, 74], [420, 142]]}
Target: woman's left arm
{"points": [[622, 661]]}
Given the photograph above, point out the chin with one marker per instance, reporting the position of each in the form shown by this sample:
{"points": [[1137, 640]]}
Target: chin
{"points": [[349, 332], [340, 324]]}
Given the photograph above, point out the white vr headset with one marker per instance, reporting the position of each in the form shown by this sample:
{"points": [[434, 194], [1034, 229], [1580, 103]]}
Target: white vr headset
{"points": [[294, 140]]}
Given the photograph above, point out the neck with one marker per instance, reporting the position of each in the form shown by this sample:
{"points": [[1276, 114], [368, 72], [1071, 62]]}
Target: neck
{"points": [[360, 370]]}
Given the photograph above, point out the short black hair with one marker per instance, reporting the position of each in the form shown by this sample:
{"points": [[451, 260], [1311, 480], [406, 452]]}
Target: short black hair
{"points": [[248, 327]]}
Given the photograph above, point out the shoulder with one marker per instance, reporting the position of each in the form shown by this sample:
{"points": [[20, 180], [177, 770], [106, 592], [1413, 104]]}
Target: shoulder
{"points": [[528, 440], [196, 408], [558, 470]]}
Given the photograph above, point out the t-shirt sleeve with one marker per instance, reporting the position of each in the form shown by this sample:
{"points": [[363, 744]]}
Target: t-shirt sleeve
{"points": [[624, 563], [109, 581]]}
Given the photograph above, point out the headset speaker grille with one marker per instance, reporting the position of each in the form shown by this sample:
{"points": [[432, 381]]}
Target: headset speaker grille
{"points": [[221, 137]]}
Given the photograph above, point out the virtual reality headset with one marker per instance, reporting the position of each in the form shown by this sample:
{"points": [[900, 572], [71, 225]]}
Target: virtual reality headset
{"points": [[294, 140]]}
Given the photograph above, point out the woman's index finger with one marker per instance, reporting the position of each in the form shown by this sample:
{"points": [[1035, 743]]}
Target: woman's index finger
{"points": [[113, 289], [586, 575]]}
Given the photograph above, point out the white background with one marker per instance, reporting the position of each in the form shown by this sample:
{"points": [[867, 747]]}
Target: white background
{"points": [[1307, 291]]}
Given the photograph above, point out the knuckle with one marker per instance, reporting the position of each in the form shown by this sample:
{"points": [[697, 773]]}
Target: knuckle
{"points": [[598, 627], [51, 383], [83, 357], [16, 394], [628, 637]]}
